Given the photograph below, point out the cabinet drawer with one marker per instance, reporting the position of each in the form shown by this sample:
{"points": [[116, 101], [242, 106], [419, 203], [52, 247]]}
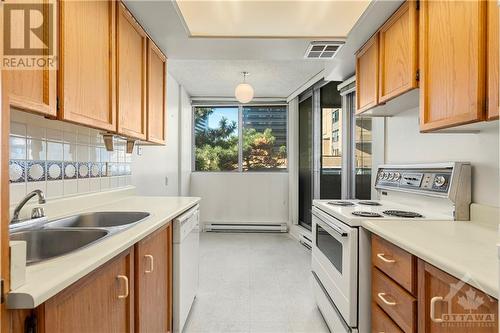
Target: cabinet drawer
{"points": [[400, 265], [381, 322], [395, 301]]}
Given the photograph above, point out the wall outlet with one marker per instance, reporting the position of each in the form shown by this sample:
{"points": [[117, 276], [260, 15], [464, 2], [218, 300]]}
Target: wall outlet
{"points": [[139, 150]]}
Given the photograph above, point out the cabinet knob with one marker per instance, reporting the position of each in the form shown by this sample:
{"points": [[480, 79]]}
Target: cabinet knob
{"points": [[125, 280], [434, 300], [151, 263]]}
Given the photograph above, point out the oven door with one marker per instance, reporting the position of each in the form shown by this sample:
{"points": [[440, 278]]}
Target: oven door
{"points": [[335, 262]]}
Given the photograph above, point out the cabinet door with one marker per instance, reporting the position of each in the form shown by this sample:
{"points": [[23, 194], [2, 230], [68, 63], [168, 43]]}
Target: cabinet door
{"points": [[493, 59], [448, 305], [452, 63], [153, 295], [367, 75], [398, 52], [157, 70], [33, 90], [87, 63], [131, 83], [100, 302]]}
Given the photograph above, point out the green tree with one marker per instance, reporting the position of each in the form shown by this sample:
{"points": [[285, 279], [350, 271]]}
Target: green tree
{"points": [[259, 151], [216, 148]]}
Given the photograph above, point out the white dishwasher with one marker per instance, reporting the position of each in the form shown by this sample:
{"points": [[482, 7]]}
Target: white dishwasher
{"points": [[186, 264]]}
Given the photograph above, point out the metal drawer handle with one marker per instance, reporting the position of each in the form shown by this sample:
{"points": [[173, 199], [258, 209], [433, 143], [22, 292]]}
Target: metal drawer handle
{"points": [[151, 263], [125, 279], [434, 300], [383, 258], [382, 297]]}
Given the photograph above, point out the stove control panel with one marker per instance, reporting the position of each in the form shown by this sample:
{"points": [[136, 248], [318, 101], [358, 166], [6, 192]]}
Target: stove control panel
{"points": [[420, 180]]}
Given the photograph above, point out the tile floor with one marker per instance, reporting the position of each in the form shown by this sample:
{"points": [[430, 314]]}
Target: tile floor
{"points": [[254, 283]]}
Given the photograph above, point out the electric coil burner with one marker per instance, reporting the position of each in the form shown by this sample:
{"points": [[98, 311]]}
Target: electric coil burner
{"points": [[369, 203], [402, 213], [366, 214], [340, 203]]}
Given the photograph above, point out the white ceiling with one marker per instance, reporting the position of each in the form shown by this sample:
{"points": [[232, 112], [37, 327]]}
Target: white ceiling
{"points": [[310, 18], [218, 78], [211, 67]]}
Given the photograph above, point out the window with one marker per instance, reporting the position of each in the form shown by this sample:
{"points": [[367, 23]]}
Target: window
{"points": [[216, 138], [240, 138], [264, 137]]}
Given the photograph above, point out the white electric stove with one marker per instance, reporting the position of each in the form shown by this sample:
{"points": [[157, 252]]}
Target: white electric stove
{"points": [[341, 248]]}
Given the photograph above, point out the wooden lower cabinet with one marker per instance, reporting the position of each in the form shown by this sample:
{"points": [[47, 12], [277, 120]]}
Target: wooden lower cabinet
{"points": [[440, 304], [100, 302], [153, 288], [448, 305], [130, 293], [381, 322]]}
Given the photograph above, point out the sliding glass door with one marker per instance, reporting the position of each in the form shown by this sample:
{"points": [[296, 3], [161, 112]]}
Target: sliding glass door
{"points": [[334, 147], [305, 160], [331, 142]]}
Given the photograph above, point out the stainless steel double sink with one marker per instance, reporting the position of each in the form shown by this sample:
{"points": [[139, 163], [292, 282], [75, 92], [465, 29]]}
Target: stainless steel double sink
{"points": [[49, 239]]}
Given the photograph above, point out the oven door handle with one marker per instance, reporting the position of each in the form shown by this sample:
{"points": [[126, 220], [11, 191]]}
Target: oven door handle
{"points": [[337, 230]]}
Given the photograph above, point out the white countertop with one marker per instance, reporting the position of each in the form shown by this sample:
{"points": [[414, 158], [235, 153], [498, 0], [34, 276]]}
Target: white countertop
{"points": [[466, 250], [46, 279]]}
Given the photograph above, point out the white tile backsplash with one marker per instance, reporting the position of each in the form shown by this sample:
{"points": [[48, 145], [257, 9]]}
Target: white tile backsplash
{"points": [[49, 143], [54, 151]]}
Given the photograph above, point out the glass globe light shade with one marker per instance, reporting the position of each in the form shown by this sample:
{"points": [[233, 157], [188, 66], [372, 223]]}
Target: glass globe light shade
{"points": [[243, 92]]}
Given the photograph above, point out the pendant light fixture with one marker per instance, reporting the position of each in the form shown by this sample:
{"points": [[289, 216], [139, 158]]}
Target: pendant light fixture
{"points": [[244, 91]]}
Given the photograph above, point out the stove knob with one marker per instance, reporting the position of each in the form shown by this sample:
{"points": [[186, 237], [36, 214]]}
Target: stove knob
{"points": [[390, 176], [439, 181], [385, 175], [380, 175], [397, 176]]}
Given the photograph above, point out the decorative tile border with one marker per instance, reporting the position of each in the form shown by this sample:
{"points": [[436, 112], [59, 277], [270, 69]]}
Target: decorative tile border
{"points": [[35, 171], [54, 170], [17, 171]]}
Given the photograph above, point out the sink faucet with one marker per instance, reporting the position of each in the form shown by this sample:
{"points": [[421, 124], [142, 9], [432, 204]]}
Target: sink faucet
{"points": [[37, 212]]}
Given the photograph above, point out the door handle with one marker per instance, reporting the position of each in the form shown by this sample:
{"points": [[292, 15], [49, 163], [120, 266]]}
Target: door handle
{"points": [[151, 263], [383, 258], [382, 297], [434, 300], [124, 279]]}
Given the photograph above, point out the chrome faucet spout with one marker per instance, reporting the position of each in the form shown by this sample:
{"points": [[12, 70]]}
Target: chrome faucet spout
{"points": [[41, 200]]}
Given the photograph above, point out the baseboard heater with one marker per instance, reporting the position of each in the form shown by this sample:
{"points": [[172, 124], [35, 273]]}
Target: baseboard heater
{"points": [[250, 227]]}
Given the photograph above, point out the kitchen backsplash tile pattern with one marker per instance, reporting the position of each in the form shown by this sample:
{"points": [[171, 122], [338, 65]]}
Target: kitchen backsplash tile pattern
{"points": [[62, 159]]}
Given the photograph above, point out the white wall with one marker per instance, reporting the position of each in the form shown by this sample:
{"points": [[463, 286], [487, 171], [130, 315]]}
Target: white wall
{"points": [[404, 143], [157, 163], [242, 197], [185, 143]]}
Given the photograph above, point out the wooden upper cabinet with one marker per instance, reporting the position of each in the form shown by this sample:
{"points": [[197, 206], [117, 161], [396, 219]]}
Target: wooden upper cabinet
{"points": [[452, 63], [33, 90], [493, 59], [367, 75], [156, 90], [441, 295], [100, 302], [398, 54], [131, 75], [87, 63], [153, 293]]}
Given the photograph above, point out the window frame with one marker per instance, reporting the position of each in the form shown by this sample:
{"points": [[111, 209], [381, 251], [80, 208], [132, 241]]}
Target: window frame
{"points": [[240, 107]]}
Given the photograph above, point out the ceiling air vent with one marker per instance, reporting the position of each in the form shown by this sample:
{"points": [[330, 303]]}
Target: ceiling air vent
{"points": [[323, 50]]}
